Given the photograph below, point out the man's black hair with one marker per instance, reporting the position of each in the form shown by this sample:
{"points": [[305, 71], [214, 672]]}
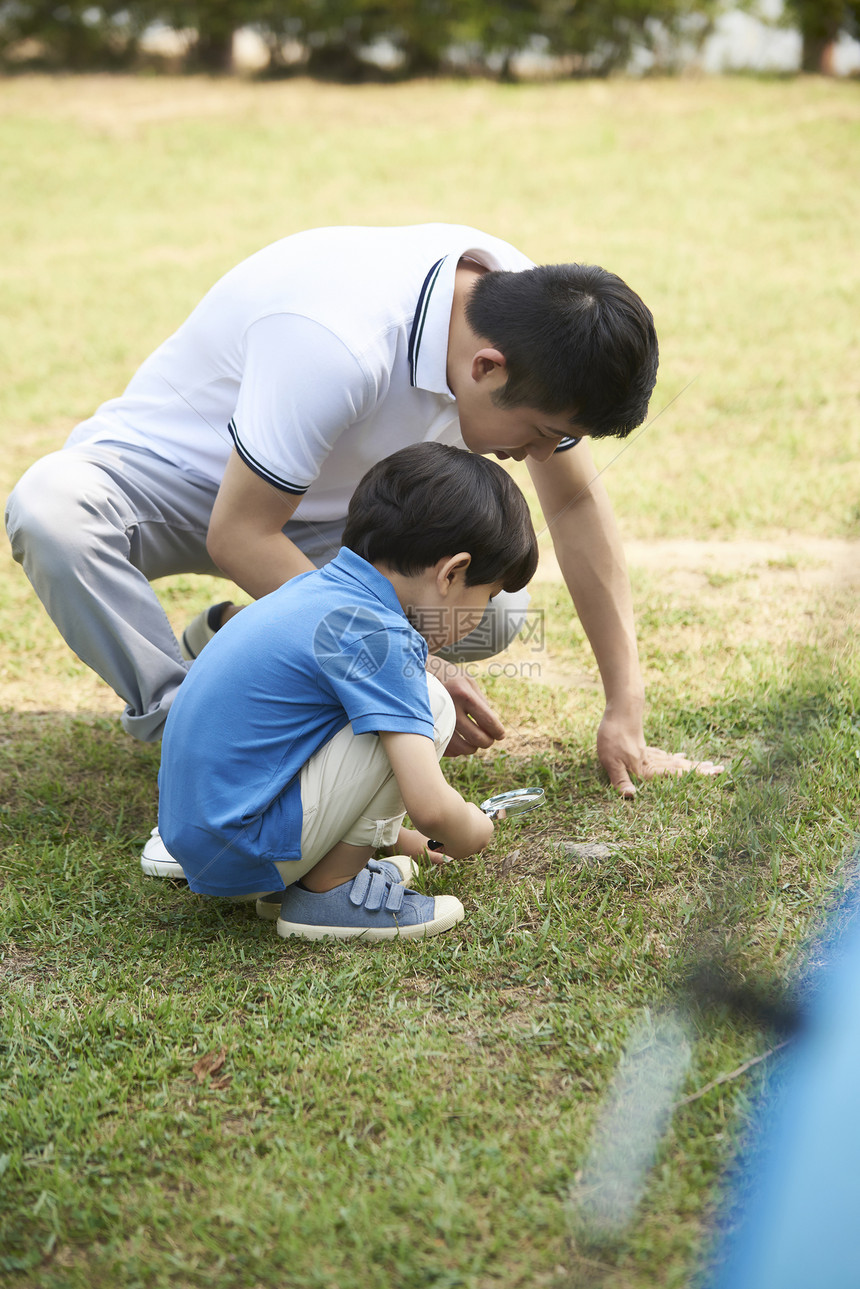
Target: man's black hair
{"points": [[576, 340], [430, 501]]}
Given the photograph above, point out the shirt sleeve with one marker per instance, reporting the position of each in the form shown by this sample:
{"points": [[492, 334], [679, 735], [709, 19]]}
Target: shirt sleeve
{"points": [[380, 680], [301, 388]]}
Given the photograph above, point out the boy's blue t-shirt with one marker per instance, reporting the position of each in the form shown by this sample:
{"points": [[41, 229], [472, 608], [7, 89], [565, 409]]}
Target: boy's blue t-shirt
{"points": [[278, 681]]}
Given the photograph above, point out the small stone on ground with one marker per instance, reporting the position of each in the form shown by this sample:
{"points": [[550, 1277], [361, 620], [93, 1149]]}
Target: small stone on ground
{"points": [[584, 849]]}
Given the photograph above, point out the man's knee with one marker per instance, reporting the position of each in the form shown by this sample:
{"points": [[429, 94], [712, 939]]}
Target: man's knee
{"points": [[501, 624], [52, 511]]}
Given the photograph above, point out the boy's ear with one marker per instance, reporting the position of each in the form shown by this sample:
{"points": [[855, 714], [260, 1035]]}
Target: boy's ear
{"points": [[451, 570], [490, 363]]}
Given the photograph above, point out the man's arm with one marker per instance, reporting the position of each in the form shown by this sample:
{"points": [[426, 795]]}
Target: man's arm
{"points": [[579, 515], [245, 536]]}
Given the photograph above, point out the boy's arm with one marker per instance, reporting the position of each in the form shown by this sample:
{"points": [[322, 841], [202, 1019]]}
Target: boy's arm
{"points": [[434, 807]]}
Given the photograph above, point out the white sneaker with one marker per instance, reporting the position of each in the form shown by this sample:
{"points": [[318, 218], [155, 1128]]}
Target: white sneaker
{"points": [[156, 860]]}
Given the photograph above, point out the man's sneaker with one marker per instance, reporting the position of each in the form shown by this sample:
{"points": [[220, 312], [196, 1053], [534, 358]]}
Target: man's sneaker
{"points": [[370, 907], [398, 867], [156, 860], [201, 629]]}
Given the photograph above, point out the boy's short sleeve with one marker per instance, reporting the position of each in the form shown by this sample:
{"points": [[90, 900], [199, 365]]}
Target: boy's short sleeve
{"points": [[375, 672], [301, 388]]}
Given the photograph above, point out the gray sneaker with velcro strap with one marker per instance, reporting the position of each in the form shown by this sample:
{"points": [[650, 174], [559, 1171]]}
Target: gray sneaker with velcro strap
{"points": [[398, 867], [371, 907]]}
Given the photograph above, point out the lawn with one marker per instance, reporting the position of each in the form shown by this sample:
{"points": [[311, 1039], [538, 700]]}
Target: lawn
{"points": [[184, 1097]]}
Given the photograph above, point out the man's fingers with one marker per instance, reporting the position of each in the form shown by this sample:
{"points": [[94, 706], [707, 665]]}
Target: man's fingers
{"points": [[621, 782], [468, 736], [657, 762], [489, 723], [472, 706], [481, 720], [472, 732], [458, 746]]}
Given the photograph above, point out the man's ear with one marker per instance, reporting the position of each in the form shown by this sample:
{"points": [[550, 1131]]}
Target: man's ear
{"points": [[489, 363], [451, 570]]}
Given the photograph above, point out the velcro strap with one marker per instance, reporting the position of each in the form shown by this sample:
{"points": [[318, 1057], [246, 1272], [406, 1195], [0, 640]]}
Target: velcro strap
{"points": [[395, 897], [358, 890], [373, 888]]}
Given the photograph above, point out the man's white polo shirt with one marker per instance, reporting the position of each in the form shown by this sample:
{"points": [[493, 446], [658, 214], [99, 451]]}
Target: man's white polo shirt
{"points": [[314, 358]]}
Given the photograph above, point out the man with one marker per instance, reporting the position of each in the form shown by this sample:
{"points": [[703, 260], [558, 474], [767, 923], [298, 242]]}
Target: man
{"points": [[237, 444]]}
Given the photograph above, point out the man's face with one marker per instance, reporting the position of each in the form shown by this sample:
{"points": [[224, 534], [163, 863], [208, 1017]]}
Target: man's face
{"points": [[510, 432]]}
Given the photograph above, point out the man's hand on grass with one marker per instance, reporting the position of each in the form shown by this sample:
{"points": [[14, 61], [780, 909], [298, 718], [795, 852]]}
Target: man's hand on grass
{"points": [[623, 754], [477, 724]]}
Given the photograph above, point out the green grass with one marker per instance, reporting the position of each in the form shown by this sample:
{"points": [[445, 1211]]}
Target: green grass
{"points": [[416, 1115]]}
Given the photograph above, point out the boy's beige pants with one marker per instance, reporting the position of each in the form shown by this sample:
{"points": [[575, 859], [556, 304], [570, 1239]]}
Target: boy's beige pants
{"points": [[349, 792]]}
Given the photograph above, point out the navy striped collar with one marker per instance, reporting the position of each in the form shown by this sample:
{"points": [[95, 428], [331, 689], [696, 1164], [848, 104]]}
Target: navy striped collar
{"points": [[428, 339]]}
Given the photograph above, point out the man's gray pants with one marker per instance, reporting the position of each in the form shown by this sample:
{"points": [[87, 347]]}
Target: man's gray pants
{"points": [[93, 525]]}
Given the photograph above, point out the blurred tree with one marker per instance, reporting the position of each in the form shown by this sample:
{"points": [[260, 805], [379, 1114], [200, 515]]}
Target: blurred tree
{"points": [[505, 30], [590, 37], [215, 22], [604, 37], [420, 30], [341, 36], [596, 37], [76, 36], [820, 23]]}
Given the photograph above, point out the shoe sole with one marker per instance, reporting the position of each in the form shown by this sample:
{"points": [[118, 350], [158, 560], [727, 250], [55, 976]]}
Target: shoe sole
{"points": [[185, 648], [449, 914], [267, 911], [162, 868], [156, 861]]}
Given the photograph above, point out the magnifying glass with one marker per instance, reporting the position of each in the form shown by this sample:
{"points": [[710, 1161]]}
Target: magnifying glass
{"points": [[504, 804], [516, 802]]}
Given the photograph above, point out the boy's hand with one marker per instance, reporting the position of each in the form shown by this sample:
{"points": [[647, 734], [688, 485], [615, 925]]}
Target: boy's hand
{"points": [[433, 805], [415, 845], [477, 724]]}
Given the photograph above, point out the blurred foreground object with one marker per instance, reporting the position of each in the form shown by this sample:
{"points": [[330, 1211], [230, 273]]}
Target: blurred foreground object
{"points": [[796, 1201]]}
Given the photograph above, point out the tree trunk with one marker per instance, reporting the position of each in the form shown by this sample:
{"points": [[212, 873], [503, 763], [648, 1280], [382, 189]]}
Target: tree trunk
{"points": [[819, 55], [213, 50], [820, 23]]}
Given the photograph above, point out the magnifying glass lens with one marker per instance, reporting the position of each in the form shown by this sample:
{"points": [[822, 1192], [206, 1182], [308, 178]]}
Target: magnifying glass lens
{"points": [[516, 802]]}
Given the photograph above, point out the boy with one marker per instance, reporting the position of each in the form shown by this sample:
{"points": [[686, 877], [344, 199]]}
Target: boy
{"points": [[309, 725]]}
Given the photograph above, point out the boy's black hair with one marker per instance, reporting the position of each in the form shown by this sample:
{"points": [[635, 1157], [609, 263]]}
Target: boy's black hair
{"points": [[429, 501], [576, 339]]}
